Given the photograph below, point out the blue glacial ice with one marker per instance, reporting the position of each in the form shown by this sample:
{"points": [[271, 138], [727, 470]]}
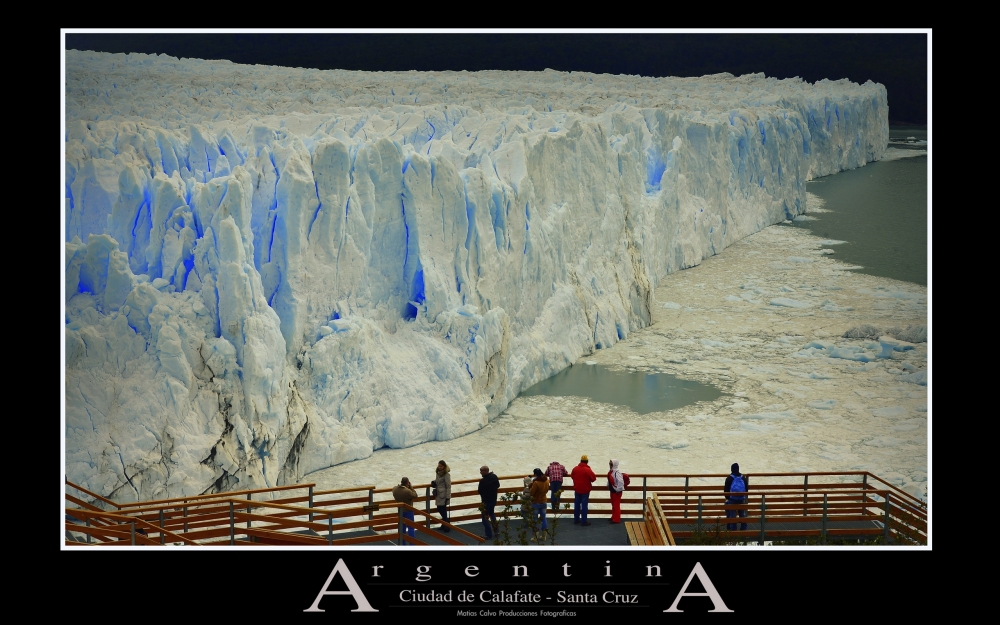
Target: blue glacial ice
{"points": [[270, 271]]}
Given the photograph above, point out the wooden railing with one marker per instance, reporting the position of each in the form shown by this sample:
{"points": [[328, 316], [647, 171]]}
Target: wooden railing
{"points": [[797, 511], [300, 514]]}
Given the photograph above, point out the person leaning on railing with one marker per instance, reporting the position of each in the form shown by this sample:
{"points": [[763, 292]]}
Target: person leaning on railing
{"points": [[555, 473], [404, 493]]}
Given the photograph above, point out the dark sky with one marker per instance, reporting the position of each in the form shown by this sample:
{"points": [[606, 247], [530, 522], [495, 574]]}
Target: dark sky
{"points": [[897, 60]]}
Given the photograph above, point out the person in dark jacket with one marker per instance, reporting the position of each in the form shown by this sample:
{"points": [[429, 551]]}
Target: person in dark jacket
{"points": [[583, 482], [489, 485], [733, 498]]}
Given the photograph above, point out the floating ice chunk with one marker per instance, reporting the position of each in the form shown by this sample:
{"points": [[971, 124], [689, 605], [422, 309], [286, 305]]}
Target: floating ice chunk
{"points": [[883, 441], [826, 252], [789, 303], [784, 415], [787, 289], [680, 444], [733, 298], [820, 345], [756, 427], [822, 404], [893, 345], [831, 242], [782, 392], [799, 259], [889, 411], [671, 305], [920, 377], [849, 353], [590, 362], [909, 425], [711, 343], [830, 306]]}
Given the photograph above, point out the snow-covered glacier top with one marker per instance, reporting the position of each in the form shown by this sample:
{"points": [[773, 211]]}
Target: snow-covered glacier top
{"points": [[272, 270]]}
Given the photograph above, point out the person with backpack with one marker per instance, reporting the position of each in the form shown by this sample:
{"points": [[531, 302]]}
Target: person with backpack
{"points": [[736, 483], [616, 484]]}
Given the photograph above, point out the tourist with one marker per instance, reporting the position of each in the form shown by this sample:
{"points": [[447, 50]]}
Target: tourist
{"points": [[489, 485], [616, 484], [404, 493], [555, 473], [442, 491], [583, 479], [539, 488], [736, 483]]}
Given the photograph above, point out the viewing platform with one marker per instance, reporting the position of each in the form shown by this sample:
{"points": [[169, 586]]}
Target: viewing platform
{"points": [[661, 510]]}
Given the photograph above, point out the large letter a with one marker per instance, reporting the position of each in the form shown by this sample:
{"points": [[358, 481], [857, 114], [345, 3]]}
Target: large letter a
{"points": [[352, 589], [710, 591]]}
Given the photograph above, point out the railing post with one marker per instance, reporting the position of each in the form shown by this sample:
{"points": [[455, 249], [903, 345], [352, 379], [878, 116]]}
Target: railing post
{"points": [[371, 502], [763, 507], [885, 520], [133, 532], [162, 535], [310, 503], [185, 519], [88, 533], [687, 480], [232, 523], [248, 512], [864, 494], [329, 530], [805, 495], [823, 532], [400, 527], [427, 506], [644, 495], [699, 512]]}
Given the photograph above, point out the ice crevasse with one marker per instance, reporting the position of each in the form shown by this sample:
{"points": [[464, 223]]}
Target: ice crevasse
{"points": [[270, 270]]}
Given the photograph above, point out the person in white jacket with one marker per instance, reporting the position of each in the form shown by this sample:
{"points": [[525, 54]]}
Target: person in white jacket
{"points": [[616, 484]]}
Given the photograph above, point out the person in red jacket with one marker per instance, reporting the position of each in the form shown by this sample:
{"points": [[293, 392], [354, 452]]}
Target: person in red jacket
{"points": [[583, 479]]}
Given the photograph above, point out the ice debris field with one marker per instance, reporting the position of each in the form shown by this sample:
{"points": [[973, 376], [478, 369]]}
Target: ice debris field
{"points": [[271, 271]]}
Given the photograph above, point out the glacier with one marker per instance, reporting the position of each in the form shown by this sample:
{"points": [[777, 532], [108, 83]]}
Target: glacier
{"points": [[271, 270]]}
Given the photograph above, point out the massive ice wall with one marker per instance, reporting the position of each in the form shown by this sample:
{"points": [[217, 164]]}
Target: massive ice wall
{"points": [[271, 270]]}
